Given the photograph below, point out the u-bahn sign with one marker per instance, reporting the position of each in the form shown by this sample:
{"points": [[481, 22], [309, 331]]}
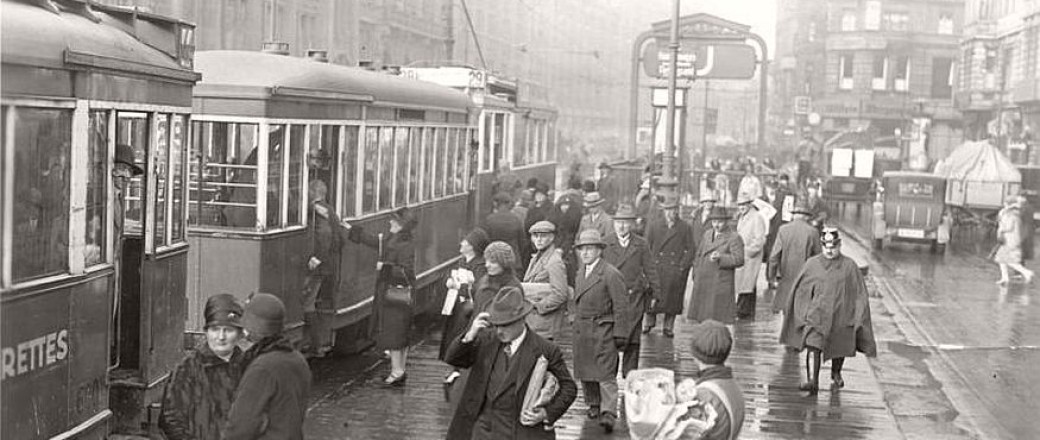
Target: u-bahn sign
{"points": [[702, 60]]}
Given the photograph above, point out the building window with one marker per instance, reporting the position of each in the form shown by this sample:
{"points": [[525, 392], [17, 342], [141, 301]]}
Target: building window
{"points": [[945, 23], [872, 16], [901, 73], [895, 21], [848, 20], [845, 80], [942, 75], [880, 78], [812, 32]]}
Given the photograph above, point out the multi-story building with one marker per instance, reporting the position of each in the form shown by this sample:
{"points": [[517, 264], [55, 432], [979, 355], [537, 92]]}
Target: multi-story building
{"points": [[886, 67], [999, 82]]}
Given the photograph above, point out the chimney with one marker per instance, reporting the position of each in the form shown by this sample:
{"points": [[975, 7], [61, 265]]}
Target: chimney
{"points": [[321, 56], [275, 47]]}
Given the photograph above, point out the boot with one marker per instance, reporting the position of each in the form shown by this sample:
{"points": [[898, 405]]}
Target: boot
{"points": [[812, 372]]}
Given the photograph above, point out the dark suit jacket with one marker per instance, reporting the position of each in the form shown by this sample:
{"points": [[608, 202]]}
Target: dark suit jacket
{"points": [[639, 273], [479, 356]]}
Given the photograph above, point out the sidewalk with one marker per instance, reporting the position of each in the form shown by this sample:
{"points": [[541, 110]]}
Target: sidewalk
{"points": [[768, 375]]}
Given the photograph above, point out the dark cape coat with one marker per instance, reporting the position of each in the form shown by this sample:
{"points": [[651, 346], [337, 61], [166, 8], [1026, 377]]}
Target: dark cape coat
{"points": [[499, 409], [198, 395], [713, 281], [599, 317], [829, 310], [672, 250], [640, 275], [390, 322], [795, 243]]}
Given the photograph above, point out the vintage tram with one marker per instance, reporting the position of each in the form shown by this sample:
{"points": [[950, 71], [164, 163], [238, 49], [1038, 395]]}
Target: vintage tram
{"points": [[91, 283]]}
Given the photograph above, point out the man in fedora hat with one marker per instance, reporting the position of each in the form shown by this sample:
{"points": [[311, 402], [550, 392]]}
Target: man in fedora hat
{"points": [[796, 242], [601, 327], [501, 352], [751, 227], [595, 217], [672, 248], [828, 313], [630, 255], [721, 252]]}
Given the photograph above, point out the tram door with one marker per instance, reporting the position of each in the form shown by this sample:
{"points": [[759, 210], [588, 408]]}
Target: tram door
{"points": [[131, 129]]}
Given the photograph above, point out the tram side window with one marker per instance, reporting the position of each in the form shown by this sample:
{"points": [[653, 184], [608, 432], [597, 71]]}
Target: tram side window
{"points": [[486, 163], [40, 236], [161, 159], [371, 160], [386, 167], [275, 158], [520, 147], [428, 152], [539, 140], [177, 177], [461, 154], [499, 142], [223, 188], [550, 141], [414, 167], [449, 160], [400, 167], [324, 143], [132, 129], [97, 190], [297, 191], [439, 156], [350, 157]]}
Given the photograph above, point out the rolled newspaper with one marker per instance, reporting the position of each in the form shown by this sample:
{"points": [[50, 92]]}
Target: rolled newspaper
{"points": [[542, 387]]}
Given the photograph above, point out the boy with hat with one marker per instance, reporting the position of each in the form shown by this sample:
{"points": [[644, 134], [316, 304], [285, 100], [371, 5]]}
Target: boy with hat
{"points": [[710, 344], [198, 395], [271, 400], [630, 255], [601, 327], [796, 242], [672, 247], [501, 353], [828, 313]]}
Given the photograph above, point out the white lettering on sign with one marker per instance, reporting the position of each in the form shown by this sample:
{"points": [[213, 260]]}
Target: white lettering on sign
{"points": [[35, 353]]}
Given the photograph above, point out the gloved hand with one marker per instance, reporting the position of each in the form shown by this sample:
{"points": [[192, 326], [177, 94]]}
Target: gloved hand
{"points": [[620, 343]]}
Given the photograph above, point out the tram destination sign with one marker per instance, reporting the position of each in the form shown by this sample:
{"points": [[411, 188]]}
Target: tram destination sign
{"points": [[702, 60]]}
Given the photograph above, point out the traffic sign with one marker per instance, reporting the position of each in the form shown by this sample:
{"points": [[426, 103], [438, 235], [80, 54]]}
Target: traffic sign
{"points": [[702, 60]]}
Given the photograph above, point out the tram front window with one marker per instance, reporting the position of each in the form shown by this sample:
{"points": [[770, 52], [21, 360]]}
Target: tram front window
{"points": [[42, 143], [132, 129], [223, 188]]}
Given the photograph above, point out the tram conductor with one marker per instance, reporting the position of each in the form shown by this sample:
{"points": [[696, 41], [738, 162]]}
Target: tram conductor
{"points": [[325, 240]]}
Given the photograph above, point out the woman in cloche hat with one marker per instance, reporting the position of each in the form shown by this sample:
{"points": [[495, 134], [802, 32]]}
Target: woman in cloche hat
{"points": [[200, 391]]}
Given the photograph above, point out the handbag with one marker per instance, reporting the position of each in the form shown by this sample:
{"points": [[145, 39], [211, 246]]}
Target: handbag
{"points": [[396, 294]]}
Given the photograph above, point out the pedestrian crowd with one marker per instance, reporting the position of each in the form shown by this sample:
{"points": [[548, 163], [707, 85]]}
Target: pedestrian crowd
{"points": [[594, 266]]}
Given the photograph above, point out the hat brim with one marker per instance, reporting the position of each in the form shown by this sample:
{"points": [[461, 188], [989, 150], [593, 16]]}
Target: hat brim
{"points": [[801, 211], [625, 217], [718, 217], [506, 320], [596, 203], [590, 243], [237, 324]]}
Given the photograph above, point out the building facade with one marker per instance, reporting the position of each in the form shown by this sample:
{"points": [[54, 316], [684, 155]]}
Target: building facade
{"points": [[999, 81], [887, 68]]}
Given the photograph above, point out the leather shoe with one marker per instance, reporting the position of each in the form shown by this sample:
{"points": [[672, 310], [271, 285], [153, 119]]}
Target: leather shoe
{"points": [[398, 381], [668, 333], [812, 388], [837, 381], [592, 412], [607, 421]]}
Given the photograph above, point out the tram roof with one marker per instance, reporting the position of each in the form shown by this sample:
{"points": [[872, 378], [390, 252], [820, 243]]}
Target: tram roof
{"points": [[226, 72], [100, 37]]}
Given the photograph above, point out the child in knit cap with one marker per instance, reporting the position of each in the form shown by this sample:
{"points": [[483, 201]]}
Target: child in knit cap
{"points": [[710, 345]]}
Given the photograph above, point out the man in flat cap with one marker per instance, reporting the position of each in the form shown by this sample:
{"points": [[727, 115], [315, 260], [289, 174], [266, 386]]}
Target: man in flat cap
{"points": [[546, 283], [828, 313], [501, 353]]}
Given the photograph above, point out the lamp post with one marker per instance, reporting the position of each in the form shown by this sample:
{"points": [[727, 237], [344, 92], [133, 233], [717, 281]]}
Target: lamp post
{"points": [[668, 181]]}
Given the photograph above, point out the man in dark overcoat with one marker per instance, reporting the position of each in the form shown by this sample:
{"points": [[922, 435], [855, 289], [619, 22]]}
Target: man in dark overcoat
{"points": [[795, 243], [325, 238], [672, 246], [504, 225], [630, 255], [600, 325], [721, 252], [828, 313], [501, 353]]}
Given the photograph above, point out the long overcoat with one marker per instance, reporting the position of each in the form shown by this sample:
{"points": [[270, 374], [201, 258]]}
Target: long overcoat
{"points": [[550, 306], [271, 399], [502, 412], [197, 397], [752, 229], [713, 281], [829, 310], [672, 250], [640, 274], [390, 322], [599, 317], [506, 226], [795, 243], [699, 224]]}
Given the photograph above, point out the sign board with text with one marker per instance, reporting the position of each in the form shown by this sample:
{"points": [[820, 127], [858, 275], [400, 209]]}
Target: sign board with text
{"points": [[702, 60]]}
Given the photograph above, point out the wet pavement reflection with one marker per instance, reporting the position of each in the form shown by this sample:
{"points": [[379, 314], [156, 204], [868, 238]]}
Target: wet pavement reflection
{"points": [[983, 339], [349, 402]]}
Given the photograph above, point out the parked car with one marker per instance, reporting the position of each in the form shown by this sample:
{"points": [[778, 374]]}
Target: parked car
{"points": [[911, 207]]}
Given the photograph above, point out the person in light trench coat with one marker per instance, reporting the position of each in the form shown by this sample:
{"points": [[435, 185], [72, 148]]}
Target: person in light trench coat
{"points": [[752, 229], [546, 267], [720, 253]]}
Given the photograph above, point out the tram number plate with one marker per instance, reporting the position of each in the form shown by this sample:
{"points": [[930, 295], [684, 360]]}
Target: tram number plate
{"points": [[911, 233]]}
